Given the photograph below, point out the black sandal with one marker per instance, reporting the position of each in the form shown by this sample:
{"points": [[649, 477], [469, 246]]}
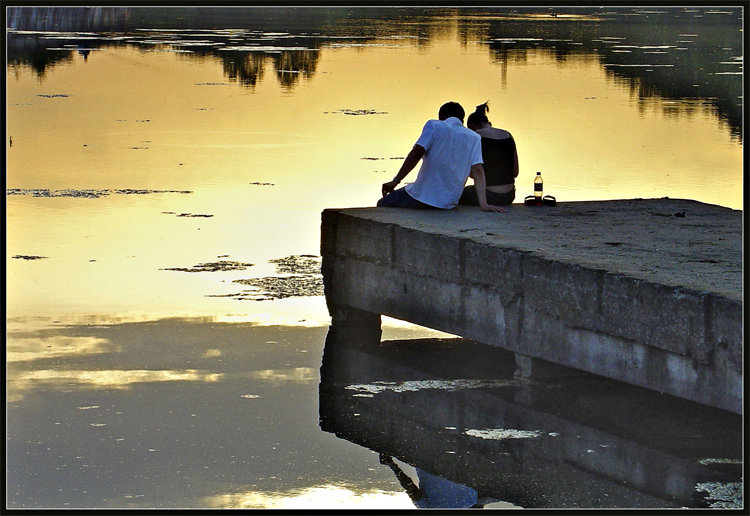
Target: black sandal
{"points": [[548, 200]]}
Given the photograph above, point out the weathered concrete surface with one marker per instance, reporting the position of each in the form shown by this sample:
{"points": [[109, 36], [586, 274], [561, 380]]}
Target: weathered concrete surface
{"points": [[625, 289]]}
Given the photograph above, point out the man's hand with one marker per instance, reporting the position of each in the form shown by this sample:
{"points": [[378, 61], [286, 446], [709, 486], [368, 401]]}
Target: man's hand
{"points": [[389, 187], [492, 207], [411, 160]]}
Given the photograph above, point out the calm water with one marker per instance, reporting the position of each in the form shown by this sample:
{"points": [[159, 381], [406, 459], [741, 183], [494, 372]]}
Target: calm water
{"points": [[166, 170]]}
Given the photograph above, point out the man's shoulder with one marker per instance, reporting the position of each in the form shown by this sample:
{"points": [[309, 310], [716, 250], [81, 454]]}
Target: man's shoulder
{"points": [[468, 133]]}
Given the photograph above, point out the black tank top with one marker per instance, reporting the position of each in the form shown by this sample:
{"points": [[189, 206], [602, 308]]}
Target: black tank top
{"points": [[498, 156]]}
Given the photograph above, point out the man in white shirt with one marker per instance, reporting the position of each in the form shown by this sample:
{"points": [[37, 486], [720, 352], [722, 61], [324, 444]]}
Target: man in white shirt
{"points": [[450, 153]]}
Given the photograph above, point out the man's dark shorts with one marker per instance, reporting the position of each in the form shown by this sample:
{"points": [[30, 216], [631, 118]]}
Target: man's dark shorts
{"points": [[400, 199]]}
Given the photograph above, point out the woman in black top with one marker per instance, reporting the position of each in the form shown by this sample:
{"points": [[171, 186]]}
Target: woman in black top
{"points": [[500, 161]]}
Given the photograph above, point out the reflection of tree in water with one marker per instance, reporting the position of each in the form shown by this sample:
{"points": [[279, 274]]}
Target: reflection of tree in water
{"points": [[247, 68], [692, 51], [291, 65], [700, 71], [31, 52], [244, 67]]}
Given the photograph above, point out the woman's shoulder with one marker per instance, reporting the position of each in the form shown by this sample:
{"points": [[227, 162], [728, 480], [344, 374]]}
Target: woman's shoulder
{"points": [[493, 133]]}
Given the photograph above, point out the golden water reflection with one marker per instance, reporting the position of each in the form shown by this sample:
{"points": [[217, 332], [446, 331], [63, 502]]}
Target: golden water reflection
{"points": [[296, 375], [34, 348], [112, 378], [328, 496], [259, 167]]}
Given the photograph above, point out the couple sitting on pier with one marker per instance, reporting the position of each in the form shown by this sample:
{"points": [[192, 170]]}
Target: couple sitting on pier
{"points": [[450, 154]]}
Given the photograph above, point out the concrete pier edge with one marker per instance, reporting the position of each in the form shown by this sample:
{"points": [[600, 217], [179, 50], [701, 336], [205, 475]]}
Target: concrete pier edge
{"points": [[646, 291]]}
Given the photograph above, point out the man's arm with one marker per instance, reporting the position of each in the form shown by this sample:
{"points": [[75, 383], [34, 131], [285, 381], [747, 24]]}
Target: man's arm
{"points": [[410, 162], [477, 174]]}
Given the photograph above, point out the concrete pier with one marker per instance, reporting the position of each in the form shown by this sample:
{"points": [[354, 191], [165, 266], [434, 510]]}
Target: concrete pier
{"points": [[645, 291]]}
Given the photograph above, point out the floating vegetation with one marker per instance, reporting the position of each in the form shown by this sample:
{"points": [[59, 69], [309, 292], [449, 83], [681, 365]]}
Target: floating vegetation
{"points": [[356, 112], [260, 48], [90, 194], [212, 84], [131, 191], [196, 43], [258, 183], [379, 387], [220, 266], [304, 280], [722, 495], [503, 433], [172, 50], [359, 45], [53, 95], [708, 461], [298, 264], [28, 257], [194, 215], [87, 194], [639, 65], [375, 159], [280, 287]]}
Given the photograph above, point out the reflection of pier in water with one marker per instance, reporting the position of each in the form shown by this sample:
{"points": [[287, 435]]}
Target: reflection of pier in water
{"points": [[453, 408]]}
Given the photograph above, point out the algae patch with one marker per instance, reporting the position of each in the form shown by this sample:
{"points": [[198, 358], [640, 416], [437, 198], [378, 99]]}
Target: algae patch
{"points": [[503, 433], [722, 495], [378, 387], [302, 279], [86, 193], [298, 264], [221, 265], [270, 288], [356, 112]]}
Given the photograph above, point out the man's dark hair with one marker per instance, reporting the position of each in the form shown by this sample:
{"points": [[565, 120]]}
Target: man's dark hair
{"points": [[450, 109]]}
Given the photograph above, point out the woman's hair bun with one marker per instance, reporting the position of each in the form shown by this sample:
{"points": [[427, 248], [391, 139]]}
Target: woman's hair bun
{"points": [[483, 108]]}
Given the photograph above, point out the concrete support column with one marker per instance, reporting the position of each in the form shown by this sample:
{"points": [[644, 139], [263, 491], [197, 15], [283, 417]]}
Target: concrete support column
{"points": [[351, 333], [529, 368], [359, 326]]}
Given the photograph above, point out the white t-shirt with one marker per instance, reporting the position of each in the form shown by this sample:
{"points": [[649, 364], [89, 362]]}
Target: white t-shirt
{"points": [[450, 151]]}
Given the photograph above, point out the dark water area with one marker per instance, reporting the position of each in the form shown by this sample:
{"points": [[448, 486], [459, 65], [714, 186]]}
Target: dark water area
{"points": [[453, 410], [674, 52], [191, 413]]}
